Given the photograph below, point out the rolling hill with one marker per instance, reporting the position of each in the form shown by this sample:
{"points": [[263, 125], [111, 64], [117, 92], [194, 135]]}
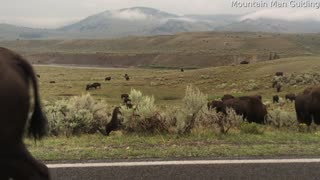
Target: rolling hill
{"points": [[194, 50]]}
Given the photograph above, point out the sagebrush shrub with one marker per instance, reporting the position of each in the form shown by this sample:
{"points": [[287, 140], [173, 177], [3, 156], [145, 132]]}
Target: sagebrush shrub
{"points": [[193, 101], [144, 116], [79, 114], [279, 118]]}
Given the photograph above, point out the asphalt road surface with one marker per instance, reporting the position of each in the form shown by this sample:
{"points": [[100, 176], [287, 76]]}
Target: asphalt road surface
{"points": [[193, 169]]}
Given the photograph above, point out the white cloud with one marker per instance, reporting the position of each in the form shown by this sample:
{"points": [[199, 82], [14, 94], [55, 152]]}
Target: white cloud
{"points": [[130, 15], [287, 14]]}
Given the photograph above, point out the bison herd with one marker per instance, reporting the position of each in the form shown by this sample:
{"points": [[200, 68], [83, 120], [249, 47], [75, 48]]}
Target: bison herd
{"points": [[307, 106], [97, 85]]}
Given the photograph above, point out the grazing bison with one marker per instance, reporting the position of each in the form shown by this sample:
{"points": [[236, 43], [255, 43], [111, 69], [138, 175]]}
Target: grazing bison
{"points": [[115, 123], [127, 78], [244, 62], [96, 85], [124, 96], [215, 104], [52, 82], [250, 107], [278, 87], [93, 86], [274, 83], [108, 78], [258, 96], [88, 87], [226, 97], [290, 97], [17, 76], [279, 73], [275, 99], [307, 106]]}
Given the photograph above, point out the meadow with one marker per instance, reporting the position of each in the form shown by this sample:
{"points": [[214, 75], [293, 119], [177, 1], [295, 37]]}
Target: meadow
{"points": [[168, 87]]}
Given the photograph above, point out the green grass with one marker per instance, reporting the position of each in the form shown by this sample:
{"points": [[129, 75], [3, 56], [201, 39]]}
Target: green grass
{"points": [[197, 145], [168, 88], [168, 85]]}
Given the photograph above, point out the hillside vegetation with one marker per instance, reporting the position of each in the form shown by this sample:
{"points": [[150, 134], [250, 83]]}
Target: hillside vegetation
{"points": [[167, 85], [195, 50]]}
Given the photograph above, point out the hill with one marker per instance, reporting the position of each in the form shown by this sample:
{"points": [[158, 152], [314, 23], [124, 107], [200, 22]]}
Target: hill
{"points": [[194, 50]]}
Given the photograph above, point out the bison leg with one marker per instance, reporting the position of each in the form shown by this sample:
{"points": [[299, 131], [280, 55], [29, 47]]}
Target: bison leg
{"points": [[18, 164], [316, 118]]}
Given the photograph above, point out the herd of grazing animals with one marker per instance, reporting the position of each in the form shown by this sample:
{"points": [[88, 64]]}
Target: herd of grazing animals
{"points": [[17, 163]]}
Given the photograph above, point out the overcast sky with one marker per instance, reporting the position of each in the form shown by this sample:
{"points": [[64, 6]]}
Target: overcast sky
{"points": [[55, 13]]}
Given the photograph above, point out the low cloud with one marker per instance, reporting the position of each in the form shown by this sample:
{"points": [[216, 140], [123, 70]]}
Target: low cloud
{"points": [[287, 14], [130, 15], [38, 22]]}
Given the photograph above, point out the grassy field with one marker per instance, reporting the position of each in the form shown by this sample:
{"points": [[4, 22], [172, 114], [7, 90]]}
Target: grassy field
{"points": [[200, 144], [168, 88], [168, 85]]}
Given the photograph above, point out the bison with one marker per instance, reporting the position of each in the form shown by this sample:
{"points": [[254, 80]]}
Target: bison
{"points": [[108, 78], [52, 82], [279, 73], [182, 70], [291, 97], [244, 62], [115, 123], [226, 97], [307, 106], [17, 76], [278, 87], [250, 107], [124, 96], [93, 86], [275, 99]]}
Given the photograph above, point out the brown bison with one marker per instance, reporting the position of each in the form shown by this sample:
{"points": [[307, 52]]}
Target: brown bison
{"points": [[115, 123], [250, 107], [215, 104], [52, 82], [275, 99], [278, 87], [244, 62], [124, 96], [226, 97], [108, 78], [291, 97], [307, 106], [182, 70], [93, 86], [279, 73], [17, 76]]}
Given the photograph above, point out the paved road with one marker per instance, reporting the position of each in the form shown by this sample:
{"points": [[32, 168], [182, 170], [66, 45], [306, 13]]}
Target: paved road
{"points": [[195, 169]]}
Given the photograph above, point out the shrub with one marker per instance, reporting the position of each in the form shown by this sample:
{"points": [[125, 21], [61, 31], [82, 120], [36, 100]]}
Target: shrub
{"points": [[223, 123], [193, 101], [279, 118], [250, 128], [144, 116], [79, 114]]}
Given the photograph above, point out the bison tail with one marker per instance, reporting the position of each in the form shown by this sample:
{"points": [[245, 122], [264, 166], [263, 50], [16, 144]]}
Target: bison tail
{"points": [[38, 122]]}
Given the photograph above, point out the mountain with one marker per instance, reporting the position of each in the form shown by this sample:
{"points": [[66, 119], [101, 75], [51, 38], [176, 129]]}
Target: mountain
{"points": [[135, 21], [144, 21]]}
